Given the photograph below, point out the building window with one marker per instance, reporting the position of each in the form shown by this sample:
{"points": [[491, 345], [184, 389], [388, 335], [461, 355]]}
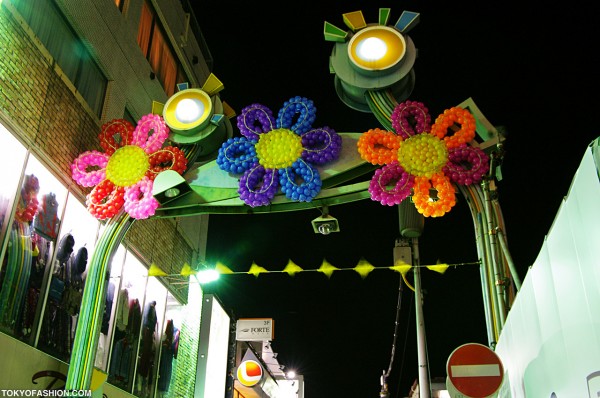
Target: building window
{"points": [[158, 52], [67, 49]]}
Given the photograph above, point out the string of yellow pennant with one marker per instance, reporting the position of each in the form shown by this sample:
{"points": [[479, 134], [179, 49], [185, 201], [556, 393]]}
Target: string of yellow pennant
{"points": [[363, 268]]}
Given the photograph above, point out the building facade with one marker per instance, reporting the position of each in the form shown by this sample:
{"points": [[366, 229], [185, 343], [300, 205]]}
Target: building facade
{"points": [[66, 69]]}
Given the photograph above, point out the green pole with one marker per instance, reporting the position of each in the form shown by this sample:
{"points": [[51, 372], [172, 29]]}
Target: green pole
{"points": [[85, 345]]}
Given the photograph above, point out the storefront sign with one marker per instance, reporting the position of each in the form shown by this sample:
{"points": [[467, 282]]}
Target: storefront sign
{"points": [[254, 329], [249, 373]]}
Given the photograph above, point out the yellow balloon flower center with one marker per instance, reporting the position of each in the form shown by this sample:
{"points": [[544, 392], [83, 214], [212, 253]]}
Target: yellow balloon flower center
{"points": [[127, 165], [278, 149], [423, 155]]}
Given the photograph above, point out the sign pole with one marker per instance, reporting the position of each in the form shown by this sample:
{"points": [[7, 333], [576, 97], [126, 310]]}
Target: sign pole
{"points": [[424, 388]]}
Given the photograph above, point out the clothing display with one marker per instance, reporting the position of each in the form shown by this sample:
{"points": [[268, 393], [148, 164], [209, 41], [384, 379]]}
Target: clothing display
{"points": [[64, 299], [168, 352], [121, 362], [122, 313]]}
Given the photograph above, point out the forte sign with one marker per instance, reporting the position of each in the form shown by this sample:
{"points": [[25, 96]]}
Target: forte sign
{"points": [[254, 329]]}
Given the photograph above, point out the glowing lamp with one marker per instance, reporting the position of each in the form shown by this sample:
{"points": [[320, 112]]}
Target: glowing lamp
{"points": [[376, 48], [188, 111]]}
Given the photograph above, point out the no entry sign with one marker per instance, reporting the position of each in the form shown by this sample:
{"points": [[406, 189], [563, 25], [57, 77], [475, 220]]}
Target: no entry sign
{"points": [[474, 371]]}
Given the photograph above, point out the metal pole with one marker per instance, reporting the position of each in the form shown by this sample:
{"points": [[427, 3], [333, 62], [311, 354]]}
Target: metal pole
{"points": [[424, 387]]}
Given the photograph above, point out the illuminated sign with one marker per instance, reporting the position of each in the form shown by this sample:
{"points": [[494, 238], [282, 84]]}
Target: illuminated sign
{"points": [[254, 329], [249, 373]]}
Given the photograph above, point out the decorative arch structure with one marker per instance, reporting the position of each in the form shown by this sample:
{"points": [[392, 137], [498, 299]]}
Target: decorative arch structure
{"points": [[368, 86]]}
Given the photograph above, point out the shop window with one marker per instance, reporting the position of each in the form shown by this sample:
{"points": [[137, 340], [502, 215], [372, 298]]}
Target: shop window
{"points": [[157, 50], [67, 49], [27, 261], [77, 238], [125, 342], [169, 346], [14, 154], [113, 312]]}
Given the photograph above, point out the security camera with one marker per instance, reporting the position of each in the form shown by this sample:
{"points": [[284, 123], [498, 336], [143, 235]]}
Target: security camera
{"points": [[325, 225]]}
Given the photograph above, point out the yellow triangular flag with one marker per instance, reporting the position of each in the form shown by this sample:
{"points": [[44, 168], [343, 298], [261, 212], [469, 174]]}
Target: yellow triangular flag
{"points": [[292, 269], [212, 85], [441, 268], [256, 270], [222, 268], [401, 266], [154, 270], [228, 110], [363, 268], [186, 270], [157, 108], [327, 268]]}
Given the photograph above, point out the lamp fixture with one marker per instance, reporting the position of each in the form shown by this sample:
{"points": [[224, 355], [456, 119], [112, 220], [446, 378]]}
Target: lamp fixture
{"points": [[168, 186], [326, 223]]}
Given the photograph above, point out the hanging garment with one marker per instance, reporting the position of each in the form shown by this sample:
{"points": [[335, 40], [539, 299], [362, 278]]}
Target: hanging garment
{"points": [[122, 315], [169, 347], [135, 318], [108, 302], [150, 320], [120, 362]]}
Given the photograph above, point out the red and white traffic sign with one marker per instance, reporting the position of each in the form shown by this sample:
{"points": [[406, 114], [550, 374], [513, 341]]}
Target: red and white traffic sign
{"points": [[474, 371]]}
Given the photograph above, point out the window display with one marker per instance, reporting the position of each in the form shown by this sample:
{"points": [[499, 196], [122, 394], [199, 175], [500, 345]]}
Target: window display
{"points": [[28, 254], [14, 155], [47, 240], [169, 346], [111, 308], [78, 232]]}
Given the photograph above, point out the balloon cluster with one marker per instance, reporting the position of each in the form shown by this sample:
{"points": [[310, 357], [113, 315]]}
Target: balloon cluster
{"points": [[123, 175], [237, 155], [28, 203], [139, 202], [255, 120], [464, 135], [467, 165], [88, 169], [278, 148], [423, 157], [433, 206], [378, 146], [127, 165], [310, 186], [410, 118], [150, 133], [168, 158], [105, 200], [258, 186], [115, 134], [279, 153], [321, 145], [394, 175], [297, 107]]}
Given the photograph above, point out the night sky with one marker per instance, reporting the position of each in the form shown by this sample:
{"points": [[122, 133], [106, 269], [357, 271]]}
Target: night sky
{"points": [[528, 69]]}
